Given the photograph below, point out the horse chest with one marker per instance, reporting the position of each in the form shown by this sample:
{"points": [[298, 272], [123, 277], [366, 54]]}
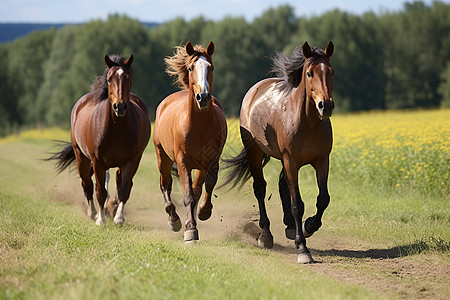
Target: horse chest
{"points": [[116, 147], [309, 147], [202, 147]]}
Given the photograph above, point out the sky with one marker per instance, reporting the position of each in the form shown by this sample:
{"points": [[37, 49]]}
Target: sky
{"points": [[159, 11]]}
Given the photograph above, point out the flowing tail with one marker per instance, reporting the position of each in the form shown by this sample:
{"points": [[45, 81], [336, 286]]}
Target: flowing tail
{"points": [[64, 158], [238, 172]]}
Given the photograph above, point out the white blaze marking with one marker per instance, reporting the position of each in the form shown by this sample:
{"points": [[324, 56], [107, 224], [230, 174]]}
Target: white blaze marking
{"points": [[202, 66], [119, 72]]}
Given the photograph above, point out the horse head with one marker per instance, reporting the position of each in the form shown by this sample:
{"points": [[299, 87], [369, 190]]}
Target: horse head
{"points": [[119, 80], [319, 78], [200, 68]]}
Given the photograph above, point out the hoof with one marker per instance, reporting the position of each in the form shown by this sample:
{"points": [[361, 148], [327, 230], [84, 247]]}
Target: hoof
{"points": [[204, 213], [191, 236], [265, 240], [304, 258], [119, 220], [100, 221], [290, 233], [175, 226], [306, 234]]}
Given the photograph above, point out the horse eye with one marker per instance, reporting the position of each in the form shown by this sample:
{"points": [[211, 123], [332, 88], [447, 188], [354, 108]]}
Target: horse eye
{"points": [[309, 74], [190, 69]]}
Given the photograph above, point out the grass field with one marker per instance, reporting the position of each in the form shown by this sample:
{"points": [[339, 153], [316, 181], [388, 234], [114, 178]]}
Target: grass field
{"points": [[385, 234]]}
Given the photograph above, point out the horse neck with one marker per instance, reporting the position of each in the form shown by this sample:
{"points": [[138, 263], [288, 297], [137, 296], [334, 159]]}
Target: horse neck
{"points": [[194, 111]]}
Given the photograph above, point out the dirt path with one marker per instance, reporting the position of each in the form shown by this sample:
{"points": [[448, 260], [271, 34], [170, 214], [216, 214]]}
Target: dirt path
{"points": [[385, 271]]}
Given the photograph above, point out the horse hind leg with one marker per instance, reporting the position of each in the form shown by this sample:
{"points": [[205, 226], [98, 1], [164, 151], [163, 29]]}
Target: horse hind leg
{"points": [[255, 163], [288, 218]]}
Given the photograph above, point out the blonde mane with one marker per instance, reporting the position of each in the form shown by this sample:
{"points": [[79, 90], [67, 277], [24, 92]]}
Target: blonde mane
{"points": [[177, 65]]}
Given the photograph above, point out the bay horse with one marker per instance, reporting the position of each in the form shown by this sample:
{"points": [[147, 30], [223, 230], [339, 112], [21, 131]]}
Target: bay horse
{"points": [[190, 130], [110, 127], [287, 117]]}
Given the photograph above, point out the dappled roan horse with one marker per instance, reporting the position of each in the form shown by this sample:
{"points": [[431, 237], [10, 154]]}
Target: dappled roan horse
{"points": [[287, 118], [110, 127], [190, 129]]}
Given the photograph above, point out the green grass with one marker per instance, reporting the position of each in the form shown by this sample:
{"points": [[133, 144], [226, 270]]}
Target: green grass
{"points": [[50, 250]]}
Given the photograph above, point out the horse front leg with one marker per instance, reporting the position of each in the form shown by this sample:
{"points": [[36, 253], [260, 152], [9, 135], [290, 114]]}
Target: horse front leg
{"points": [[100, 173], [205, 208], [112, 205], [298, 209], [197, 185], [85, 172], [124, 181], [190, 202], [165, 183], [312, 224]]}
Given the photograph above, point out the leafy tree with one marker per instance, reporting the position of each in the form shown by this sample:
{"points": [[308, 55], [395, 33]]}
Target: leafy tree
{"points": [[388, 60], [276, 27], [9, 112], [444, 87], [50, 99], [417, 55], [77, 63], [26, 59], [237, 59]]}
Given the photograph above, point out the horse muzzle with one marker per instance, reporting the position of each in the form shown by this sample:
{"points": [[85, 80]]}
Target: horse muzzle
{"points": [[203, 100], [325, 108], [120, 108]]}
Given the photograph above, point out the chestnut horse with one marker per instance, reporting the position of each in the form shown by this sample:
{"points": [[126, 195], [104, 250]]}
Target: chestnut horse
{"points": [[190, 130], [110, 127], [287, 118]]}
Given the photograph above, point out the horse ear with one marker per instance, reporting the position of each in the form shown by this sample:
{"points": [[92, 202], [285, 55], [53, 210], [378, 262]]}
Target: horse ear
{"points": [[210, 48], [306, 50], [329, 49], [189, 48], [108, 61], [129, 61]]}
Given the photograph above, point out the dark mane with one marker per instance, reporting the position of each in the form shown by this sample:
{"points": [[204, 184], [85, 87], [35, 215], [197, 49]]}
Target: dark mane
{"points": [[100, 85], [290, 69]]}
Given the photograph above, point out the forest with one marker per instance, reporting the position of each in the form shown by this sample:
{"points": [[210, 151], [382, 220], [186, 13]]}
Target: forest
{"points": [[385, 60]]}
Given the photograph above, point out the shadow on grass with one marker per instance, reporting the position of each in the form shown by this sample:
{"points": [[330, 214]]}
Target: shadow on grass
{"points": [[417, 247], [424, 245]]}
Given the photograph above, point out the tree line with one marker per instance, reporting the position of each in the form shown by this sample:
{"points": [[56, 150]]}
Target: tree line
{"points": [[389, 60]]}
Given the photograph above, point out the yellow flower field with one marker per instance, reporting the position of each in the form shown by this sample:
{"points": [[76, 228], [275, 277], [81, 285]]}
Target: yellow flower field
{"points": [[402, 150], [405, 150]]}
